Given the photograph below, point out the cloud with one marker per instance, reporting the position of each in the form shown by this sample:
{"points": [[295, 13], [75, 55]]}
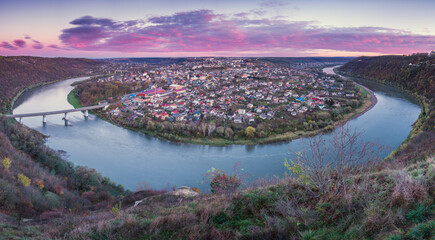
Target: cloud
{"points": [[20, 43], [54, 46], [274, 4], [205, 31], [38, 45], [7, 46]]}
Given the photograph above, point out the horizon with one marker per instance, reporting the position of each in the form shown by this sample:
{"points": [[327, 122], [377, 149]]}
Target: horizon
{"points": [[257, 28]]}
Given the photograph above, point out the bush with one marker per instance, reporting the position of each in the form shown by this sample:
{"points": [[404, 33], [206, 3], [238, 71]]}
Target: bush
{"points": [[418, 214], [24, 180], [6, 163], [422, 231], [221, 182]]}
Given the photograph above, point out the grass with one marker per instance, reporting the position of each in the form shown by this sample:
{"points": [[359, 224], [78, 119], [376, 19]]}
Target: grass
{"points": [[74, 100]]}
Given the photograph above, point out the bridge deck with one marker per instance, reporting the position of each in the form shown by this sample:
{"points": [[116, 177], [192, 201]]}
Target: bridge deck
{"points": [[56, 112]]}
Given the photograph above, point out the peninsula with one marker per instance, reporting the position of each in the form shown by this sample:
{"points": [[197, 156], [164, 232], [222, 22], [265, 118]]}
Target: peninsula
{"points": [[223, 101]]}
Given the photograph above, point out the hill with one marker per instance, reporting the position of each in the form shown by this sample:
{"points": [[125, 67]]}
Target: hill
{"points": [[36, 181], [150, 61], [415, 72], [311, 60], [18, 72]]}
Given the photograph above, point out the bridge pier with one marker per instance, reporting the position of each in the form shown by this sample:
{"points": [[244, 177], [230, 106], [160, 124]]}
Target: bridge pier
{"points": [[44, 119], [20, 120], [66, 117], [86, 113]]}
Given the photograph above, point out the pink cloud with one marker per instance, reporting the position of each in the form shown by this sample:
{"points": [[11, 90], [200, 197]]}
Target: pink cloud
{"points": [[38, 45], [205, 31], [6, 45], [20, 43]]}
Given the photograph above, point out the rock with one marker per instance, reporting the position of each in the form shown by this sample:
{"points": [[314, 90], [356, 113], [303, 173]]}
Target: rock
{"points": [[177, 195], [183, 192]]}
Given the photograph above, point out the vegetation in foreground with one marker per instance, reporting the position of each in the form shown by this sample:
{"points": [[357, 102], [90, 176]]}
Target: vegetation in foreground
{"points": [[389, 203], [387, 200], [36, 181]]}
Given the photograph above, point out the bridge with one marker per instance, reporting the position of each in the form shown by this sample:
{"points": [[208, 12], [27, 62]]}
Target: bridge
{"points": [[20, 116]]}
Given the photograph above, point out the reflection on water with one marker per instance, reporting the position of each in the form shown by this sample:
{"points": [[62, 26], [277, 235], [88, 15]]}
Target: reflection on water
{"points": [[129, 158]]}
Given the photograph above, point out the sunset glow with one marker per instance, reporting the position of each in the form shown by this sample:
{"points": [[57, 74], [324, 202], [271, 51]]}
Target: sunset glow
{"points": [[231, 28]]}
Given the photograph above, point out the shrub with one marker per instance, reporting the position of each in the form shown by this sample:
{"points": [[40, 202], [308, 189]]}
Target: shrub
{"points": [[422, 231], [24, 180], [418, 214], [407, 190], [39, 183], [221, 182], [52, 200], [116, 210], [6, 163]]}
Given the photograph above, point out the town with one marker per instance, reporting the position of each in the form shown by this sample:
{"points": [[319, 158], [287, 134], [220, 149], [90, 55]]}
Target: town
{"points": [[225, 96]]}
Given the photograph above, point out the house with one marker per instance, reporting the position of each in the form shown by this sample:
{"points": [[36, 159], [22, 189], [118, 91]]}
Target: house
{"points": [[242, 111], [197, 114], [263, 116], [237, 120], [161, 115]]}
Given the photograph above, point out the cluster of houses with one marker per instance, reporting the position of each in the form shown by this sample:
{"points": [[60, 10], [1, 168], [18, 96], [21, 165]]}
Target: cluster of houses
{"points": [[238, 90]]}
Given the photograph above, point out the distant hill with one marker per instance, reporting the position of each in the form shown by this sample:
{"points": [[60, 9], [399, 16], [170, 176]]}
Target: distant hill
{"points": [[18, 72], [151, 61], [415, 73], [296, 60]]}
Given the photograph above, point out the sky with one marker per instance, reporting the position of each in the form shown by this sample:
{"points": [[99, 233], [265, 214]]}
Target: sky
{"points": [[191, 28]]}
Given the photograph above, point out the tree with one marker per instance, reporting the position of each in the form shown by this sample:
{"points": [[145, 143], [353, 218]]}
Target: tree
{"points": [[250, 132], [6, 163], [328, 165], [24, 180], [229, 133]]}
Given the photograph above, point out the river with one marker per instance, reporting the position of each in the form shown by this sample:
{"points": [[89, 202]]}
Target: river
{"points": [[130, 158]]}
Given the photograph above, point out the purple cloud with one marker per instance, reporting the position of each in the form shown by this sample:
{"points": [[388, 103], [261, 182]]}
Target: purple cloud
{"points": [[20, 43], [57, 47], [38, 45], [274, 4], [54, 46], [7, 46], [205, 31]]}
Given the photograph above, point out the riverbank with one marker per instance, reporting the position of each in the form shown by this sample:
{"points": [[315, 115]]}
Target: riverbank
{"points": [[16, 96], [288, 136], [417, 127]]}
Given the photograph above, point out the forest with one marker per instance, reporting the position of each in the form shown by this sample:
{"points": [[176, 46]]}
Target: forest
{"points": [[414, 72], [19, 72]]}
